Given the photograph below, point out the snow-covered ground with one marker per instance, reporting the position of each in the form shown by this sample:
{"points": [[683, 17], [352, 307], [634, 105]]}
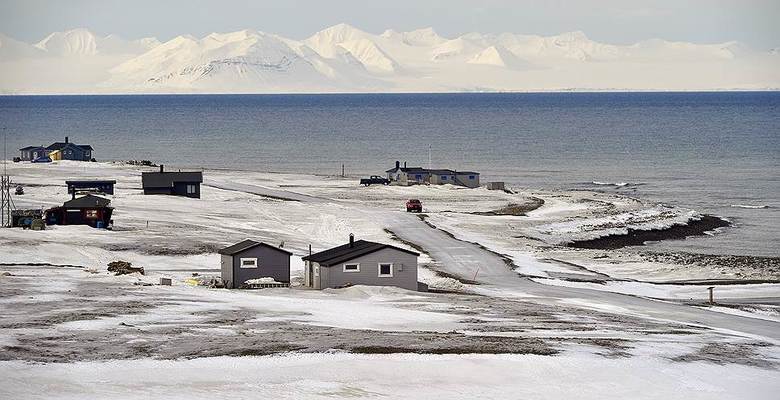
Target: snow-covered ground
{"points": [[397, 376], [587, 307]]}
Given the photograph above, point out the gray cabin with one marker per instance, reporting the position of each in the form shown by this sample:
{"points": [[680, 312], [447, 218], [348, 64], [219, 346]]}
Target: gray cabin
{"points": [[253, 260], [361, 263], [172, 183]]}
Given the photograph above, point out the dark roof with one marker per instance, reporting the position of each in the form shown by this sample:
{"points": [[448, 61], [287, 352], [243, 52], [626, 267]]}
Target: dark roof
{"points": [[89, 182], [346, 252], [246, 245], [61, 145], [56, 146], [30, 148], [412, 170], [87, 202], [406, 169], [167, 179]]}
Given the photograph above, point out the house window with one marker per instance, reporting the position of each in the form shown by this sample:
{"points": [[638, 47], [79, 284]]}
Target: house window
{"points": [[248, 263], [351, 268], [385, 270], [444, 178], [471, 177], [92, 214], [191, 189], [418, 177]]}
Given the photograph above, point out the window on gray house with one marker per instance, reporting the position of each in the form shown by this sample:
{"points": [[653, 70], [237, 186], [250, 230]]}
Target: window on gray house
{"points": [[385, 269]]}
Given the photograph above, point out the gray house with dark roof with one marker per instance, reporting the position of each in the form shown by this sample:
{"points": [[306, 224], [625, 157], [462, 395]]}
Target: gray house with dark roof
{"points": [[403, 175], [361, 263], [253, 260], [172, 183]]}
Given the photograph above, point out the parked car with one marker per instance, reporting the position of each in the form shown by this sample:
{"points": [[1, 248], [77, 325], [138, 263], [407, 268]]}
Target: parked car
{"points": [[43, 159], [374, 180], [414, 205]]}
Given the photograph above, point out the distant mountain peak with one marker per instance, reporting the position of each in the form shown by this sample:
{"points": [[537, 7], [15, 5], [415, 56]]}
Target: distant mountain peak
{"points": [[344, 58]]}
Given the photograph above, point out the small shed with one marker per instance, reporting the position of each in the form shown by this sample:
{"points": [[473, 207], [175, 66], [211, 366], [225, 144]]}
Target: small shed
{"points": [[249, 260], [87, 210], [362, 263], [495, 186], [172, 183], [96, 186]]}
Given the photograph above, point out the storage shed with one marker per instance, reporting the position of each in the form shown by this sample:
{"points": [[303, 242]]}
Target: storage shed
{"points": [[253, 260], [361, 263]]}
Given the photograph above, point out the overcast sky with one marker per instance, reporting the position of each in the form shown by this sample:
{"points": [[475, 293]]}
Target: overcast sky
{"points": [[755, 22]]}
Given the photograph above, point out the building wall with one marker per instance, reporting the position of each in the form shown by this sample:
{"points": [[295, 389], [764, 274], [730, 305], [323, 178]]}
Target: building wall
{"points": [[180, 189], [73, 152], [311, 275], [270, 263], [226, 269], [153, 190], [464, 180], [404, 271]]}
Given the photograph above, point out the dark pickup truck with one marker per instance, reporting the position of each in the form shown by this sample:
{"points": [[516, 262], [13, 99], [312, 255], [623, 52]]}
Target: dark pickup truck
{"points": [[374, 180]]}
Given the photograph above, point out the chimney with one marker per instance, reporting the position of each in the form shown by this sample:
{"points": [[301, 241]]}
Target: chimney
{"points": [[404, 164], [162, 167], [351, 240], [74, 194], [66, 139], [397, 164]]}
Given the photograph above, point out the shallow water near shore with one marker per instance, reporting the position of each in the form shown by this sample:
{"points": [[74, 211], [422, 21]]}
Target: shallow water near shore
{"points": [[716, 153]]}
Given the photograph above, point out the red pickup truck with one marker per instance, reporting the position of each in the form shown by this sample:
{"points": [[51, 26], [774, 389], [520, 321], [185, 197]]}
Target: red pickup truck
{"points": [[413, 205]]}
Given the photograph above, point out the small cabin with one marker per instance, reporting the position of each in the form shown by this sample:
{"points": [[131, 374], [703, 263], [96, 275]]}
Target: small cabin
{"points": [[87, 210], [172, 183], [105, 187], [248, 260], [362, 263]]}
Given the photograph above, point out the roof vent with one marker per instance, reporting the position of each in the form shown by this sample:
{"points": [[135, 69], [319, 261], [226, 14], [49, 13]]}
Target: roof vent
{"points": [[351, 240], [162, 167]]}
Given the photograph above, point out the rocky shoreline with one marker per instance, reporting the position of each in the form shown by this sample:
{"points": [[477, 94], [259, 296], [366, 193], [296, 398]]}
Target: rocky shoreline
{"points": [[638, 237]]}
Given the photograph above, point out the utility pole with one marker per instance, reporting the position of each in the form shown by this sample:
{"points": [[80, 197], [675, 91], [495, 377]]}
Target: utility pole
{"points": [[6, 203], [429, 156]]}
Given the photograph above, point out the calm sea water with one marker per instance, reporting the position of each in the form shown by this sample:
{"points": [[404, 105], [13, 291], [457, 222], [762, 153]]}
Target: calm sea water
{"points": [[706, 151]]}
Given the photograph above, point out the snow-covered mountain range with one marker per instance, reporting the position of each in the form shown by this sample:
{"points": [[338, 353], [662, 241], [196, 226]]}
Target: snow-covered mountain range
{"points": [[343, 58]]}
